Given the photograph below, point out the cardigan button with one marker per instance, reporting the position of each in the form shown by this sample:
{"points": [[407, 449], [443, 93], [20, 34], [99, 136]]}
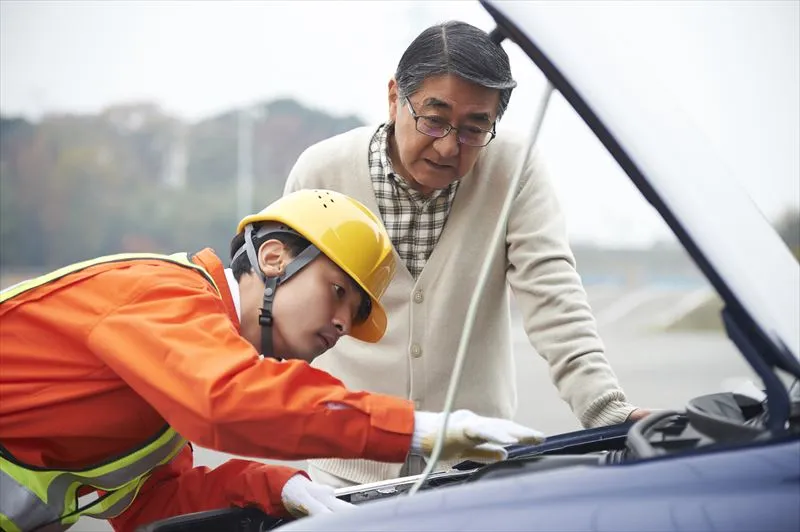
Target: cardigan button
{"points": [[418, 298], [416, 351]]}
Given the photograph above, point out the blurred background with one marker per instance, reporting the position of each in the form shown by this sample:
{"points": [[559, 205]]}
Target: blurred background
{"points": [[155, 126]]}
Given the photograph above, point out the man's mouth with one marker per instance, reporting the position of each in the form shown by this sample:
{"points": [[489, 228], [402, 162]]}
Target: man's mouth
{"points": [[327, 341], [437, 166]]}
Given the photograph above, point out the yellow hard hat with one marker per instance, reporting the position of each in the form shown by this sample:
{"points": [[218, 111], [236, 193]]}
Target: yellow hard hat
{"points": [[349, 234]]}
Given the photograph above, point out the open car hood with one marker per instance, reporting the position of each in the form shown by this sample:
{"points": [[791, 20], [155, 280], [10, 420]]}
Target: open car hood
{"points": [[673, 165]]}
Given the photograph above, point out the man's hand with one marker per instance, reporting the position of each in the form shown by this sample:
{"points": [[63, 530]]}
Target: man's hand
{"points": [[469, 436], [301, 497]]}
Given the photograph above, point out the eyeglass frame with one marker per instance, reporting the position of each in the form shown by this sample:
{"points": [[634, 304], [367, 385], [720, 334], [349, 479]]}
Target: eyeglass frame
{"points": [[449, 127]]}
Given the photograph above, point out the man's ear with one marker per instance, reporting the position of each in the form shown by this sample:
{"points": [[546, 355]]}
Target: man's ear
{"points": [[393, 100], [272, 257]]}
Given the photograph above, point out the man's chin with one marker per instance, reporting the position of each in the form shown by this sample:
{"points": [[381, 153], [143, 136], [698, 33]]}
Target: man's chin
{"points": [[297, 357], [308, 356], [427, 183]]}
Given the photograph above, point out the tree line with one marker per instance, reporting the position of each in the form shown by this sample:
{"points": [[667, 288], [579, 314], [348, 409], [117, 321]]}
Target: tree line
{"points": [[133, 178]]}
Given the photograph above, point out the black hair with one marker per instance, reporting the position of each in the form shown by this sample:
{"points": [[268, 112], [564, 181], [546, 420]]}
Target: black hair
{"points": [[241, 265], [456, 48]]}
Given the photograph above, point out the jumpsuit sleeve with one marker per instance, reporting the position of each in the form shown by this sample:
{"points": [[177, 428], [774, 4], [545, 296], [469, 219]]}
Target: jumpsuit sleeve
{"points": [[175, 346], [178, 488]]}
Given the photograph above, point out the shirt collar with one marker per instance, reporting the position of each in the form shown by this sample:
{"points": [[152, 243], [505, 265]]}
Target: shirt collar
{"points": [[234, 288], [383, 151]]}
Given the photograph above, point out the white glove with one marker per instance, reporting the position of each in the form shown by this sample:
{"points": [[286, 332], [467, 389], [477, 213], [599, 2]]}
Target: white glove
{"points": [[301, 497], [470, 436]]}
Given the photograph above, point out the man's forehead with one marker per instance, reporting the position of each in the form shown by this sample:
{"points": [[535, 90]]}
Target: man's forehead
{"points": [[476, 110]]}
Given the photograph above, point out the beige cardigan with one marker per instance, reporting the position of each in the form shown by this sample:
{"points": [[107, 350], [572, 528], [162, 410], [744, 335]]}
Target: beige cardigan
{"points": [[415, 358]]}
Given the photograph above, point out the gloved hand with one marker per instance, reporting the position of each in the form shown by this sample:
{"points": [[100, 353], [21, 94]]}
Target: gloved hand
{"points": [[469, 436], [302, 497]]}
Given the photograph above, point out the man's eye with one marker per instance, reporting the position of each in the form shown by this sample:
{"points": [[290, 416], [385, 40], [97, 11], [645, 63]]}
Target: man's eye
{"points": [[437, 121], [339, 291]]}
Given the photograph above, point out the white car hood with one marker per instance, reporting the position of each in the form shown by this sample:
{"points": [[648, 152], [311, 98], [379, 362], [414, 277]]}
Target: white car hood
{"points": [[670, 161]]}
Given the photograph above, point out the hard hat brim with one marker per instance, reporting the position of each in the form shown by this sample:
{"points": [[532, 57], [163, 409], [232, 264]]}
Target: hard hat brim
{"points": [[374, 327]]}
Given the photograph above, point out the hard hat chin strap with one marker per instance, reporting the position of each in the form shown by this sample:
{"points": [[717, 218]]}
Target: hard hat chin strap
{"points": [[265, 318]]}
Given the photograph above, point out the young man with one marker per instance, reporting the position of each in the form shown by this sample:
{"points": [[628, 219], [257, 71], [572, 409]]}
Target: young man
{"points": [[438, 177], [110, 366]]}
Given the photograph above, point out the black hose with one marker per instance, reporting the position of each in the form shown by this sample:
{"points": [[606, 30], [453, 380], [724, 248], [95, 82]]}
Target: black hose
{"points": [[637, 442]]}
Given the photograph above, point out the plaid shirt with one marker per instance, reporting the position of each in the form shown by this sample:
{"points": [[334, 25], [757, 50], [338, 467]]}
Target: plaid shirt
{"points": [[414, 221]]}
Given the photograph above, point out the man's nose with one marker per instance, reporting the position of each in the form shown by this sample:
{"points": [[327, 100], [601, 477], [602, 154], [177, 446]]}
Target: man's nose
{"points": [[448, 147], [342, 322]]}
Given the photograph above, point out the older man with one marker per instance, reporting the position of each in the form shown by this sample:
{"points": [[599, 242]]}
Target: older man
{"points": [[438, 177]]}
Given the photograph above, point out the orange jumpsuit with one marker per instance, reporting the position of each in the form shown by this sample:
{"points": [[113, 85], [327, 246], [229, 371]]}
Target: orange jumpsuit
{"points": [[93, 365]]}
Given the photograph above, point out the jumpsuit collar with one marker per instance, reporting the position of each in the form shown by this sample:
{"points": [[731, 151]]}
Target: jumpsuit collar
{"points": [[228, 289]]}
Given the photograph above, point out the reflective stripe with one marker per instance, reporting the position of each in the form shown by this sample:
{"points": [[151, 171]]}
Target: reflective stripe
{"points": [[8, 526], [20, 503], [21, 507], [139, 462], [114, 504], [181, 259]]}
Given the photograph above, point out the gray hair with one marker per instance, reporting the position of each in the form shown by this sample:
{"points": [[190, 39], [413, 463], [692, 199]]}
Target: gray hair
{"points": [[456, 48]]}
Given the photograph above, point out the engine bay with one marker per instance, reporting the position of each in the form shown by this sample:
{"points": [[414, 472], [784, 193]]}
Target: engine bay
{"points": [[708, 423]]}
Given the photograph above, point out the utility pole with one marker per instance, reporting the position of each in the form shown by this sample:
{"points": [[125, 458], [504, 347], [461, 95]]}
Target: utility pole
{"points": [[246, 118], [244, 163]]}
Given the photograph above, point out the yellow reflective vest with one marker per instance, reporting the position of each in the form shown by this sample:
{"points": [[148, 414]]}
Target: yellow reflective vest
{"points": [[33, 498]]}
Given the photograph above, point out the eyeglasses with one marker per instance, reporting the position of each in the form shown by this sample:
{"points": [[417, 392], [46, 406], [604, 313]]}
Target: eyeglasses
{"points": [[436, 126]]}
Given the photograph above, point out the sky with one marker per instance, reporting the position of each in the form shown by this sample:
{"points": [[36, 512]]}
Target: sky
{"points": [[733, 65]]}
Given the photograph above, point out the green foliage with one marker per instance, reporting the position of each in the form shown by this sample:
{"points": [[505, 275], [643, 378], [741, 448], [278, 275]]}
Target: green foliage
{"points": [[134, 179]]}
